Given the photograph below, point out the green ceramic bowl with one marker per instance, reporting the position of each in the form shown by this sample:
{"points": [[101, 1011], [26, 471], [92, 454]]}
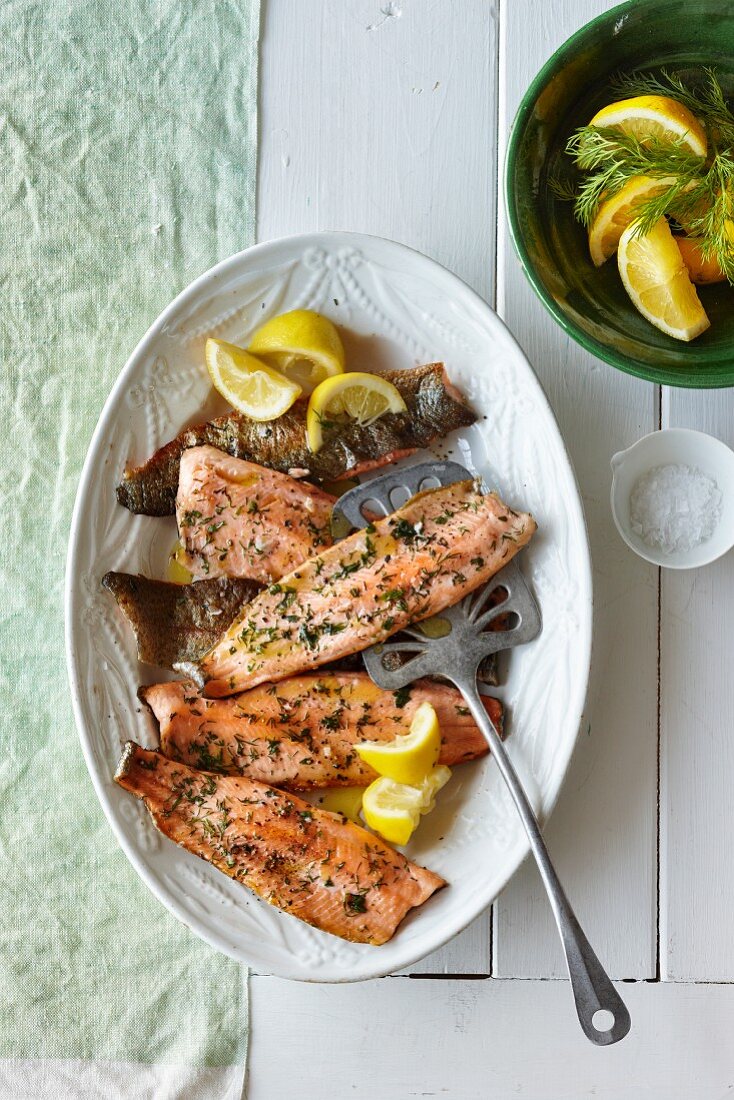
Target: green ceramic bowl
{"points": [[589, 303]]}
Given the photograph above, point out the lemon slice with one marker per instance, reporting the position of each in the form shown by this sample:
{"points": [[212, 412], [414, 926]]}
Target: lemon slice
{"points": [[250, 385], [410, 757], [302, 344], [361, 397], [655, 116], [614, 215], [394, 809], [658, 283]]}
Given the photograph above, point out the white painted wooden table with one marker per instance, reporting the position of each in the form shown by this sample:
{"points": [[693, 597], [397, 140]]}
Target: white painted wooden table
{"points": [[391, 118]]}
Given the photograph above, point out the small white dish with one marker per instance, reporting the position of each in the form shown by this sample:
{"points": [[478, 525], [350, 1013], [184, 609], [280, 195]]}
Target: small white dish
{"points": [[675, 446]]}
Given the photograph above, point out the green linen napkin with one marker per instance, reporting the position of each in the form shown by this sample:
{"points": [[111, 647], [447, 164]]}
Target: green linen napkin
{"points": [[127, 146]]}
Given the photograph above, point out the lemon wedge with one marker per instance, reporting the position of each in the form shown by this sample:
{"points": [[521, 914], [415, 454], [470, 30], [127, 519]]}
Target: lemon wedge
{"points": [[410, 757], [614, 215], [394, 809], [655, 116], [657, 281], [301, 344], [700, 271], [361, 397], [250, 385], [343, 800], [704, 271]]}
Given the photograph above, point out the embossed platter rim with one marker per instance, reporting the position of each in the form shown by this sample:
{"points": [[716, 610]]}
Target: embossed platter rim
{"points": [[398, 308]]}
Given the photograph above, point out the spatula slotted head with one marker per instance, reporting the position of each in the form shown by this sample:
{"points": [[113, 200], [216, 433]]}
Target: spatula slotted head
{"points": [[500, 615], [387, 493]]}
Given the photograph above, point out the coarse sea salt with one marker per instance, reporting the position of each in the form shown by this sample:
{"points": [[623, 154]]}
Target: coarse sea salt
{"points": [[674, 508]]}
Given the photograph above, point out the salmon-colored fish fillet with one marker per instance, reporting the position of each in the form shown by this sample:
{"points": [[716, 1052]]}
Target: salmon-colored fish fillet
{"points": [[305, 861], [301, 733], [406, 567], [238, 519]]}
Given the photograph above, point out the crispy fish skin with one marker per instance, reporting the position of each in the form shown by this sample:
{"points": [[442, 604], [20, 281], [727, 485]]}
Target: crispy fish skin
{"points": [[428, 555], [434, 408], [301, 733], [177, 622], [308, 862], [238, 519]]}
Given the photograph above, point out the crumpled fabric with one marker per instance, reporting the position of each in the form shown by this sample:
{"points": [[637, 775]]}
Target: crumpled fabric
{"points": [[127, 152]]}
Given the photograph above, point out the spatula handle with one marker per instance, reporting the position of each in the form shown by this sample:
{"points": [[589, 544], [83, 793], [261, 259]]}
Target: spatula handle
{"points": [[592, 988]]}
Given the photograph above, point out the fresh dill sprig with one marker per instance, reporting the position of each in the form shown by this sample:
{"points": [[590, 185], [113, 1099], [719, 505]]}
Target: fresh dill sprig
{"points": [[707, 212], [612, 157], [706, 101], [698, 192]]}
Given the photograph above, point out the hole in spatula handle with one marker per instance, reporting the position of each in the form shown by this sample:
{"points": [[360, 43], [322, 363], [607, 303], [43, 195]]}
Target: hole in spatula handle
{"points": [[603, 1020]]}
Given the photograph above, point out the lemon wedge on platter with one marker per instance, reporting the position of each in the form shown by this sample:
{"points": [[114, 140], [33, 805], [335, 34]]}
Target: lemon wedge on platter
{"points": [[409, 777], [409, 757], [394, 809], [302, 344], [250, 385], [657, 281], [358, 396]]}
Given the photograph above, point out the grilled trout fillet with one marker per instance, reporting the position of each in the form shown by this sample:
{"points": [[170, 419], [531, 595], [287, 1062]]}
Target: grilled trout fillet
{"points": [[238, 519], [434, 408], [308, 862], [410, 565], [301, 733], [177, 622]]}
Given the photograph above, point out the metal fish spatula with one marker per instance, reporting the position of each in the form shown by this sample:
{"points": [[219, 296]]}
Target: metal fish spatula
{"points": [[460, 639]]}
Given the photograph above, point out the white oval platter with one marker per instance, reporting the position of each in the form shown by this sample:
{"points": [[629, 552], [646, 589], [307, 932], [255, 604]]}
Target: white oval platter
{"points": [[397, 309]]}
